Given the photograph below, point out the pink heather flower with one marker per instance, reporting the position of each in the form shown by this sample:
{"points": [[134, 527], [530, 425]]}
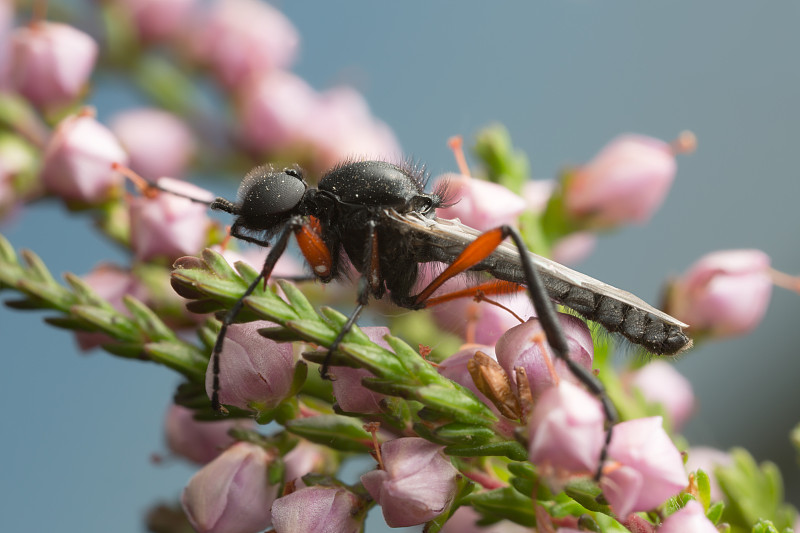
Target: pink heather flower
{"points": [[644, 467], [305, 458], [480, 322], [157, 20], [480, 204], [276, 112], [231, 493], [417, 482], [255, 373], [537, 193], [6, 23], [350, 394], [518, 347], [318, 509], [241, 39], [691, 518], [574, 248], [344, 128], [465, 518], [168, 225], [708, 459], [77, 160], [199, 441], [111, 283], [659, 382], [158, 143], [50, 63], [455, 368], [724, 293], [566, 432], [626, 182]]}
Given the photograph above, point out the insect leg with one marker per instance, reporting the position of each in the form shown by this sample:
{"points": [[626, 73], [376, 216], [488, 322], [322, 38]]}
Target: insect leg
{"points": [[480, 249], [487, 288], [230, 316], [236, 232], [546, 313], [369, 282]]}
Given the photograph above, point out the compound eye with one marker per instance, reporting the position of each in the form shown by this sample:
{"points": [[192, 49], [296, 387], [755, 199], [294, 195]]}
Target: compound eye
{"points": [[266, 192], [422, 204]]}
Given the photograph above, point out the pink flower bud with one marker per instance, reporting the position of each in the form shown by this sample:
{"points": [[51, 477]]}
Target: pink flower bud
{"points": [[307, 457], [350, 394], [566, 432], [77, 161], [574, 248], [51, 63], [481, 204], [276, 111], [199, 441], [158, 143], [626, 182], [521, 346], [158, 20], [243, 38], [231, 494], [6, 23], [724, 293], [168, 225], [708, 459], [318, 509], [691, 518], [659, 382], [344, 128], [111, 283], [537, 193], [417, 482], [644, 467], [255, 372]]}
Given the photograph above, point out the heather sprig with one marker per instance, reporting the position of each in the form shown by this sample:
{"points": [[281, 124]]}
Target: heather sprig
{"points": [[142, 335], [497, 432]]}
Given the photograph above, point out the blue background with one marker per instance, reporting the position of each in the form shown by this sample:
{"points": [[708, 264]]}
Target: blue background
{"points": [[565, 77]]}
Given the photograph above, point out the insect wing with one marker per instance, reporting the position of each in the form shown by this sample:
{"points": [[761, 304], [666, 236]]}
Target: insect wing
{"points": [[449, 237]]}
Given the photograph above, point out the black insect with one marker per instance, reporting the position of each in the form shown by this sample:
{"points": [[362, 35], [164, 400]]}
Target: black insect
{"points": [[378, 215]]}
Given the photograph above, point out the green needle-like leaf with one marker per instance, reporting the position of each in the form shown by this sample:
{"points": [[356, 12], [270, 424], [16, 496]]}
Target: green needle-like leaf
{"points": [[335, 431], [502, 504], [148, 321]]}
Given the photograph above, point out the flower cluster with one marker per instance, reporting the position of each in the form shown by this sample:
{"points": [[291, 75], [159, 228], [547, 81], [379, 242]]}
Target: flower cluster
{"points": [[484, 423]]}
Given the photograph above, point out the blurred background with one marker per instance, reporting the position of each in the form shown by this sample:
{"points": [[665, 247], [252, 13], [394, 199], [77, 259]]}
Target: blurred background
{"points": [[565, 78]]}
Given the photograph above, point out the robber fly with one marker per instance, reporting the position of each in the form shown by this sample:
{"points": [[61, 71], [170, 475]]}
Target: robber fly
{"points": [[379, 216]]}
